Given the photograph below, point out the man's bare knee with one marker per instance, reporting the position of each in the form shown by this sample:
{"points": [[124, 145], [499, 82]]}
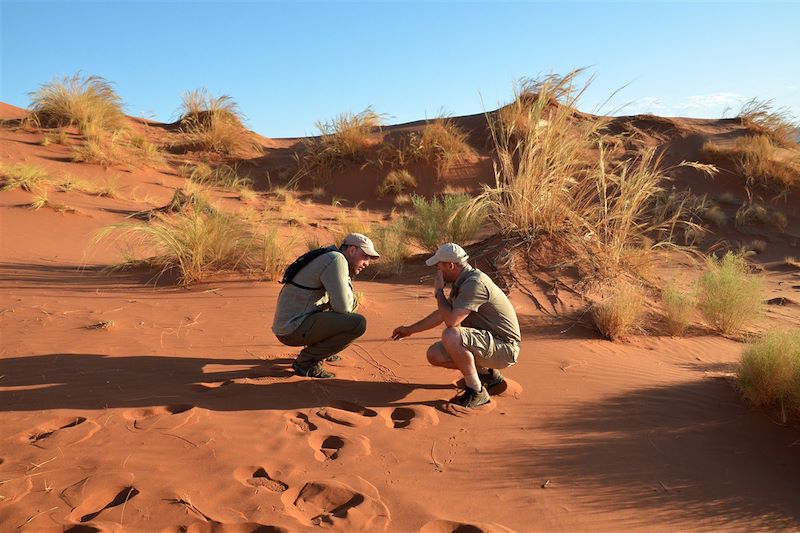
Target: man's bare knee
{"points": [[451, 337], [436, 355]]}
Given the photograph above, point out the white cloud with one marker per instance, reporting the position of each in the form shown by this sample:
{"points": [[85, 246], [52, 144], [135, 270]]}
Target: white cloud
{"points": [[706, 101]]}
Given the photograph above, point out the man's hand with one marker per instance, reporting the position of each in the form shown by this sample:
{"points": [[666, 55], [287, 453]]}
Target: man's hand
{"points": [[401, 332], [438, 282]]}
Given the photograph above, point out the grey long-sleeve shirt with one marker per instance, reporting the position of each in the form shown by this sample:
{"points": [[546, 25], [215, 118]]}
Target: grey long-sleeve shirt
{"points": [[329, 271]]}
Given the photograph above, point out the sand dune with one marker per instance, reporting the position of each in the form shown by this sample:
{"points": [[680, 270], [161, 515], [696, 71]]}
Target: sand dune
{"points": [[129, 406]]}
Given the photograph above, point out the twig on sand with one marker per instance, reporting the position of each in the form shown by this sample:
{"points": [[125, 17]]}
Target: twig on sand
{"points": [[436, 463], [179, 437], [35, 466], [546, 484], [188, 504], [28, 521], [127, 497]]}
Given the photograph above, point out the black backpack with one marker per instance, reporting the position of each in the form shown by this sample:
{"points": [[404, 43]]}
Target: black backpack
{"points": [[300, 263]]}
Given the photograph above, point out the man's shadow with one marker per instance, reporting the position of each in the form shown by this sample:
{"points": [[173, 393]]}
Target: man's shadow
{"points": [[94, 381]]}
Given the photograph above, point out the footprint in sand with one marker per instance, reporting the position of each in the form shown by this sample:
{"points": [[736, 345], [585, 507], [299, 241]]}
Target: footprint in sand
{"points": [[347, 414], [162, 417], [349, 504], [257, 476], [448, 526], [61, 432], [300, 422], [415, 417], [336, 447], [100, 494]]}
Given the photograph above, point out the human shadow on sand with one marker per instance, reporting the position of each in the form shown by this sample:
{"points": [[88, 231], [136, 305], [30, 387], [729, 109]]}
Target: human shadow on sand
{"points": [[692, 451], [93, 381]]}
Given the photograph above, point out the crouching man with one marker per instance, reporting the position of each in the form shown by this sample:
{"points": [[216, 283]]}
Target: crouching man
{"points": [[316, 304], [481, 333]]}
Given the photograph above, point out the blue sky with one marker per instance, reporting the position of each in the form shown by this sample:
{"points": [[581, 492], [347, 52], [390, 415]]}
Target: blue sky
{"points": [[289, 65]]}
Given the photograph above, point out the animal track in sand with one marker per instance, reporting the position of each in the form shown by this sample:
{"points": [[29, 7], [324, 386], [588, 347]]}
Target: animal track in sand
{"points": [[62, 432], [99, 493], [347, 414], [162, 417], [416, 417], [448, 526], [300, 422], [257, 476], [351, 506], [335, 447]]}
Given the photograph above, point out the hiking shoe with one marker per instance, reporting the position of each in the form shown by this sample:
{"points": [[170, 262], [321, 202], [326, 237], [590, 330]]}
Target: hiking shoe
{"points": [[471, 398], [333, 358], [492, 379], [312, 371]]}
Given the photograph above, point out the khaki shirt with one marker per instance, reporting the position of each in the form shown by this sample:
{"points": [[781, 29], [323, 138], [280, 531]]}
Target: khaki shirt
{"points": [[329, 271], [491, 309]]}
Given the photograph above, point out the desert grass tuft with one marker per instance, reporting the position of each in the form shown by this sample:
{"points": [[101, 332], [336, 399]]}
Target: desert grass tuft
{"points": [[192, 244], [443, 219], [617, 316], [678, 308], [223, 176], [345, 139], [729, 295], [23, 176], [396, 182], [444, 144], [759, 160], [215, 124], [391, 241], [761, 117], [90, 103], [769, 374]]}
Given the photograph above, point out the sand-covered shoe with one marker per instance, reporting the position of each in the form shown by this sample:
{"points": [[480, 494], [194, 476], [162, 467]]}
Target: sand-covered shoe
{"points": [[312, 371], [492, 379], [471, 398], [333, 358]]}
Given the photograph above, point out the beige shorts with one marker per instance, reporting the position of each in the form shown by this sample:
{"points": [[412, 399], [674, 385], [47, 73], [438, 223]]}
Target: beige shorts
{"points": [[489, 351]]}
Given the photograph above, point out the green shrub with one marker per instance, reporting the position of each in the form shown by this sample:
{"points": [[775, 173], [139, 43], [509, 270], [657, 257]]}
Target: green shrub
{"points": [[445, 219], [770, 371], [729, 296]]}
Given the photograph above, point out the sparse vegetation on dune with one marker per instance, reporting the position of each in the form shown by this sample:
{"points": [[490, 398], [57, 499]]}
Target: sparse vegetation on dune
{"points": [[215, 124], [223, 176], [391, 241], [617, 316], [729, 295], [759, 160], [396, 182], [23, 176], [345, 139], [444, 219], [443, 144], [194, 244], [678, 308], [90, 103], [769, 374], [761, 117]]}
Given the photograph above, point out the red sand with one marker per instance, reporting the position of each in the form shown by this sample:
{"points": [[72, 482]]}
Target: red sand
{"points": [[183, 415]]}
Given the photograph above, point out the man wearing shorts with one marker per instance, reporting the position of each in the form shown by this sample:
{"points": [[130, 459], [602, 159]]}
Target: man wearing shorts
{"points": [[481, 334]]}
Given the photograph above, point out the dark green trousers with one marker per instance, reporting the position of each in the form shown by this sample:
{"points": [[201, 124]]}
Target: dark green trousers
{"points": [[324, 334]]}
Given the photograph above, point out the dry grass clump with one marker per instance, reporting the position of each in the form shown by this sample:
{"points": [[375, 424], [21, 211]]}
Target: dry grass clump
{"points": [[678, 309], [223, 176], [616, 316], [193, 244], [443, 219], [391, 241], [89, 103], [444, 144], [396, 182], [778, 124], [729, 295], [770, 372], [350, 221], [23, 176], [55, 137], [551, 178], [759, 160], [345, 139], [215, 124]]}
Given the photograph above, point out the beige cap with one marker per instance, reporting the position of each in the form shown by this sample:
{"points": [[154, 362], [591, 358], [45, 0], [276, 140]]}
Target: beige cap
{"points": [[448, 253], [363, 242]]}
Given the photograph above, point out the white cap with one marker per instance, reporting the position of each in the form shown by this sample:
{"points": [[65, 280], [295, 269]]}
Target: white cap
{"points": [[448, 253], [363, 242]]}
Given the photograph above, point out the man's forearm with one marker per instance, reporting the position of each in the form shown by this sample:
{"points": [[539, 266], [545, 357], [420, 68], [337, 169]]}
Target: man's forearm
{"points": [[443, 306], [430, 321]]}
